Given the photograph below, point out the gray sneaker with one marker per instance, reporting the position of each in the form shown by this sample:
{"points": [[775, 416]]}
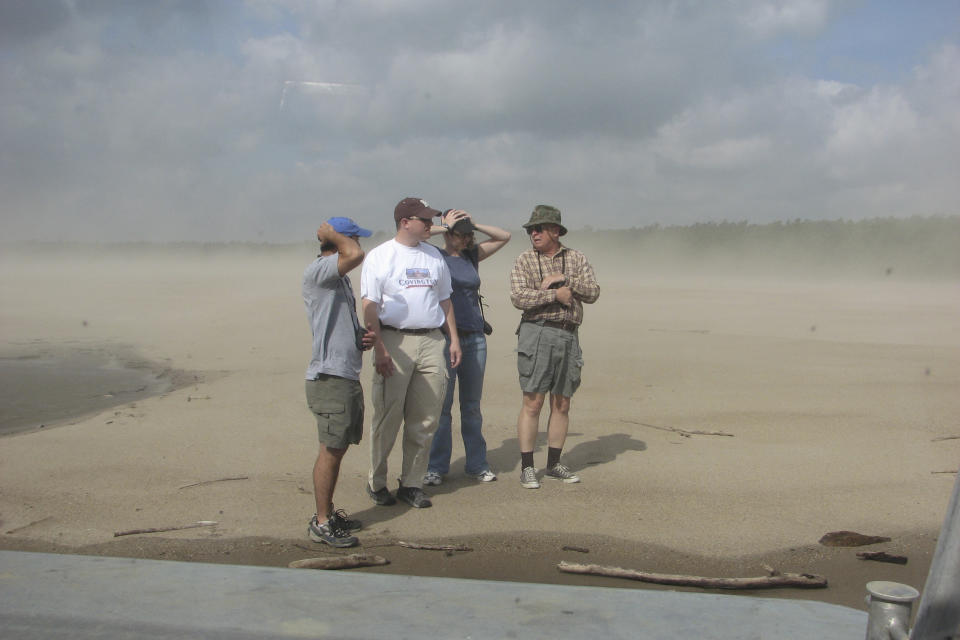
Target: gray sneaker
{"points": [[330, 533], [432, 479], [561, 472], [528, 478]]}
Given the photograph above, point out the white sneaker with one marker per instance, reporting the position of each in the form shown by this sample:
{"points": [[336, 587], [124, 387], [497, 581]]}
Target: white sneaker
{"points": [[528, 478], [432, 478], [484, 476]]}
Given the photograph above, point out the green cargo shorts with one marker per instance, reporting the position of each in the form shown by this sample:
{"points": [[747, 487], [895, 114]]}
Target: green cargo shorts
{"points": [[548, 359], [337, 404]]}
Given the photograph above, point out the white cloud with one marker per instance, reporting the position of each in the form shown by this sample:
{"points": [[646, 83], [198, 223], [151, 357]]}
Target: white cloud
{"points": [[126, 118], [731, 153], [767, 19], [876, 123], [937, 87]]}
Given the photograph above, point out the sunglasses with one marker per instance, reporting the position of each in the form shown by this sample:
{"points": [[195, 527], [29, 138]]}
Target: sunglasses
{"points": [[426, 221], [538, 228]]}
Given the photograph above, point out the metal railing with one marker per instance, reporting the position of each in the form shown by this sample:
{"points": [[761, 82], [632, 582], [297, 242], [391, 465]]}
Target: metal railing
{"points": [[938, 616]]}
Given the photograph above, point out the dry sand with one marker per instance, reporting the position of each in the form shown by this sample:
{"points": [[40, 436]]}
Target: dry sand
{"points": [[833, 394]]}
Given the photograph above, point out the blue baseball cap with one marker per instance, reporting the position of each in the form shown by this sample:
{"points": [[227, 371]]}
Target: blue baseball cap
{"points": [[347, 227]]}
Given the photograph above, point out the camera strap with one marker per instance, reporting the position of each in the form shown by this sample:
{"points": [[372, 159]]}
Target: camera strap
{"points": [[351, 302], [473, 255], [563, 270], [563, 264]]}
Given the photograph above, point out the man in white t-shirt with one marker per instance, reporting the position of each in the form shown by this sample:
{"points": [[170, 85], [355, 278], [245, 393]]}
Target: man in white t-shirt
{"points": [[405, 288]]}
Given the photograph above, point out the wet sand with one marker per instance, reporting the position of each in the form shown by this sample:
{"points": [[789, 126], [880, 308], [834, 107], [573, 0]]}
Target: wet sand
{"points": [[833, 395], [46, 386]]}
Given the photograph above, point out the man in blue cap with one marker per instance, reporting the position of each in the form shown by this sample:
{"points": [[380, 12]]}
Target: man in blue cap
{"points": [[333, 387]]}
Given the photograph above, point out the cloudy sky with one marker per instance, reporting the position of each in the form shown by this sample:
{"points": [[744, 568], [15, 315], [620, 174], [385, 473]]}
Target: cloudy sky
{"points": [[230, 120]]}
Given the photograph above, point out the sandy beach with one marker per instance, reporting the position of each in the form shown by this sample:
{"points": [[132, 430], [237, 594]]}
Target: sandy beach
{"points": [[827, 404]]}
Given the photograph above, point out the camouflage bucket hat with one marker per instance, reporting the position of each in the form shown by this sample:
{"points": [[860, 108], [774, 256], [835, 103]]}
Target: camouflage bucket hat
{"points": [[545, 214]]}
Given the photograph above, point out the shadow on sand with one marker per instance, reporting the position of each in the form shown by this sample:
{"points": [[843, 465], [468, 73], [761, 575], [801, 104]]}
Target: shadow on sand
{"points": [[505, 459]]}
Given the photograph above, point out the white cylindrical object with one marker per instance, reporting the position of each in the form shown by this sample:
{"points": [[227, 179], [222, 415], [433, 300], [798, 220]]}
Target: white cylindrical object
{"points": [[890, 606]]}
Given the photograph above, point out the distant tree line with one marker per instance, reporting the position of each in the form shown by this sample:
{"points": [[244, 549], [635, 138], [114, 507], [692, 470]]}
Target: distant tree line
{"points": [[915, 246], [919, 246]]}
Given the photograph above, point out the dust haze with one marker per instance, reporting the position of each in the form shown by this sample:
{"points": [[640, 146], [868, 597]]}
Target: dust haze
{"points": [[832, 360]]}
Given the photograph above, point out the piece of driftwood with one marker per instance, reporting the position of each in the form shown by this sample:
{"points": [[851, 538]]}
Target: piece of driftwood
{"points": [[882, 556], [567, 547], [704, 331], [683, 432], [941, 438], [947, 472], [339, 562], [131, 532], [434, 547], [849, 539], [27, 526], [197, 484], [801, 580]]}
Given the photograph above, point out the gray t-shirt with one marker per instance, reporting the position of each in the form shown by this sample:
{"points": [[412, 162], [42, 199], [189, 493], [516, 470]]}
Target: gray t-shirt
{"points": [[328, 298]]}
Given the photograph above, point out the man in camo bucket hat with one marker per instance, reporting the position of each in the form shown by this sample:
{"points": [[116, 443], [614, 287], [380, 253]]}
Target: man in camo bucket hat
{"points": [[545, 214], [549, 283]]}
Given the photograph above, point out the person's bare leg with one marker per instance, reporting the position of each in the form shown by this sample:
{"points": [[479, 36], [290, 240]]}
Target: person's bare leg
{"points": [[326, 470], [559, 421], [529, 421]]}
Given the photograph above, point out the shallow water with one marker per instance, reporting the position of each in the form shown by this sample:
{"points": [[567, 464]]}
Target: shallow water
{"points": [[38, 392]]}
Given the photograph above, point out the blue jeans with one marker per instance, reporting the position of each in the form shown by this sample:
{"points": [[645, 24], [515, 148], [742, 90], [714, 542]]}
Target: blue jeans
{"points": [[470, 376]]}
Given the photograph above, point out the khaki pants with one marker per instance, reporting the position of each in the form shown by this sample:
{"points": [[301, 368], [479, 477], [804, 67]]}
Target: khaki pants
{"points": [[413, 395]]}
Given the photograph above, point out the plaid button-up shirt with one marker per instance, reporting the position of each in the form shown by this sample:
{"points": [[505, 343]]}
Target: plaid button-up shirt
{"points": [[529, 270]]}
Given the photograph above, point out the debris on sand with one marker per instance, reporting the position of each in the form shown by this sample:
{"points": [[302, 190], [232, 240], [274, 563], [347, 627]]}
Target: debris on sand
{"points": [[850, 539]]}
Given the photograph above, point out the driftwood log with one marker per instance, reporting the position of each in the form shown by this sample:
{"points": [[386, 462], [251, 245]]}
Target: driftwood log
{"points": [[434, 547], [339, 562], [882, 556], [27, 526], [802, 580], [201, 523]]}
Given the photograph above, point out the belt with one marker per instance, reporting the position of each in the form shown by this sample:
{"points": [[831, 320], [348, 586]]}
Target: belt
{"points": [[566, 325], [412, 332]]}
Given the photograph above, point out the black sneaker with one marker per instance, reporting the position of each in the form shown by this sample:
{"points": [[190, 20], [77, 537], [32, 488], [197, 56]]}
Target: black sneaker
{"points": [[381, 496], [330, 533], [345, 522], [414, 496]]}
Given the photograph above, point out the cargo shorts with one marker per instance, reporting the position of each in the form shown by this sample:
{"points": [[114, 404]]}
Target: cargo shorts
{"points": [[548, 359], [337, 404]]}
